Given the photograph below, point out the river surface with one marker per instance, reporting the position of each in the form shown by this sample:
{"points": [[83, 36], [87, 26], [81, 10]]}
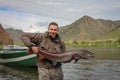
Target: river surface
{"points": [[105, 66]]}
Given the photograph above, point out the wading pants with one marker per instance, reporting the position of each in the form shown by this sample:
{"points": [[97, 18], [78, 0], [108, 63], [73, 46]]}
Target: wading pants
{"points": [[50, 73]]}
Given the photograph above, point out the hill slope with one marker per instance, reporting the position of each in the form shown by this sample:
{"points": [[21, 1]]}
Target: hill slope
{"points": [[15, 34], [114, 34], [87, 28], [4, 37]]}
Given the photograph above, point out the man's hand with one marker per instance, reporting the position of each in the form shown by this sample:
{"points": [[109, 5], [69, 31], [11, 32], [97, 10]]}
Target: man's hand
{"points": [[34, 49]]}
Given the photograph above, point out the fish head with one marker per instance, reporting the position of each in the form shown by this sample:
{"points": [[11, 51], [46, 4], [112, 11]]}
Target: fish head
{"points": [[85, 54]]}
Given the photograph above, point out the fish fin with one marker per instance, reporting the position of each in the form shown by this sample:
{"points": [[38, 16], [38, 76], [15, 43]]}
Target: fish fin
{"points": [[54, 63], [77, 59]]}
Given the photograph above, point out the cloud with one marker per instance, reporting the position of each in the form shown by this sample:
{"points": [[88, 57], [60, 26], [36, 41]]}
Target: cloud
{"points": [[62, 9], [39, 13], [24, 21]]}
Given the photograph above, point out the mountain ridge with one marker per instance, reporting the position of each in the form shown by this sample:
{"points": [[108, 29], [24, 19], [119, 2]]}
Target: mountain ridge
{"points": [[87, 29], [15, 34]]}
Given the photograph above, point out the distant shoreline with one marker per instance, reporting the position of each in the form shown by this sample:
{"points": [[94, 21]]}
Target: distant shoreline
{"points": [[106, 43]]}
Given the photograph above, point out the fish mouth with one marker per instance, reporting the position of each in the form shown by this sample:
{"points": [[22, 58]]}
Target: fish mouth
{"points": [[90, 56], [76, 58]]}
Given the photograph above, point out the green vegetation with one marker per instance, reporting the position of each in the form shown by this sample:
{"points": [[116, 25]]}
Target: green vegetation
{"points": [[0, 46], [19, 43], [93, 43]]}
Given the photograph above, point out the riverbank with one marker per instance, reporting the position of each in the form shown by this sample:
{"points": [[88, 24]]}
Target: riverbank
{"points": [[93, 44]]}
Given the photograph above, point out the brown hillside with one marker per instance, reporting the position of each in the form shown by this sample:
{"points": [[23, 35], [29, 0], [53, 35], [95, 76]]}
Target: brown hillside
{"points": [[4, 37], [87, 29]]}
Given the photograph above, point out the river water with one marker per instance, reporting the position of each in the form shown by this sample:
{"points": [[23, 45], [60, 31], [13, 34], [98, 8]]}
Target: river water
{"points": [[105, 66]]}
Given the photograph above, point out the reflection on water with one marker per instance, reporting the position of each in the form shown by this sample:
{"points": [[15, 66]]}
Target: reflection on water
{"points": [[106, 53], [106, 66]]}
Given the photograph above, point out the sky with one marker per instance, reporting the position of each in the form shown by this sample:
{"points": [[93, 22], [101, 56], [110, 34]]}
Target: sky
{"points": [[35, 15]]}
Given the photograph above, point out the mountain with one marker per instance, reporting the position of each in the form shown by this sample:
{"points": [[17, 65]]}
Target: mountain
{"points": [[83, 29], [88, 28], [15, 34], [114, 34], [4, 37]]}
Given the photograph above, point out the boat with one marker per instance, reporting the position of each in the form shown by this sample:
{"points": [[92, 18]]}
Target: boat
{"points": [[13, 55]]}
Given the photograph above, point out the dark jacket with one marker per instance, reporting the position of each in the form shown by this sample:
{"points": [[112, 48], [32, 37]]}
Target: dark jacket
{"points": [[44, 41]]}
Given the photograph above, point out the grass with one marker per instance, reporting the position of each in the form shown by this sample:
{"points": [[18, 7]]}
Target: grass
{"points": [[93, 43], [86, 43]]}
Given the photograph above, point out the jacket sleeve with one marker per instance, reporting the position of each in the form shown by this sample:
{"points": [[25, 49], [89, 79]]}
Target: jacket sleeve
{"points": [[31, 39], [63, 47]]}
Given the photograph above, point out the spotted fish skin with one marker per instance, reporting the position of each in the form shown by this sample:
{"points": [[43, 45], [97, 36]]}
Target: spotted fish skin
{"points": [[67, 56]]}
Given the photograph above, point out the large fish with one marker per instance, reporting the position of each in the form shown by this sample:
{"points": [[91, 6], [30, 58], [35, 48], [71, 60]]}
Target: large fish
{"points": [[67, 56]]}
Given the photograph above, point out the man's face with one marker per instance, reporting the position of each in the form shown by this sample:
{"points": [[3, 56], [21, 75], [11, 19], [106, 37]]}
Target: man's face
{"points": [[53, 30]]}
